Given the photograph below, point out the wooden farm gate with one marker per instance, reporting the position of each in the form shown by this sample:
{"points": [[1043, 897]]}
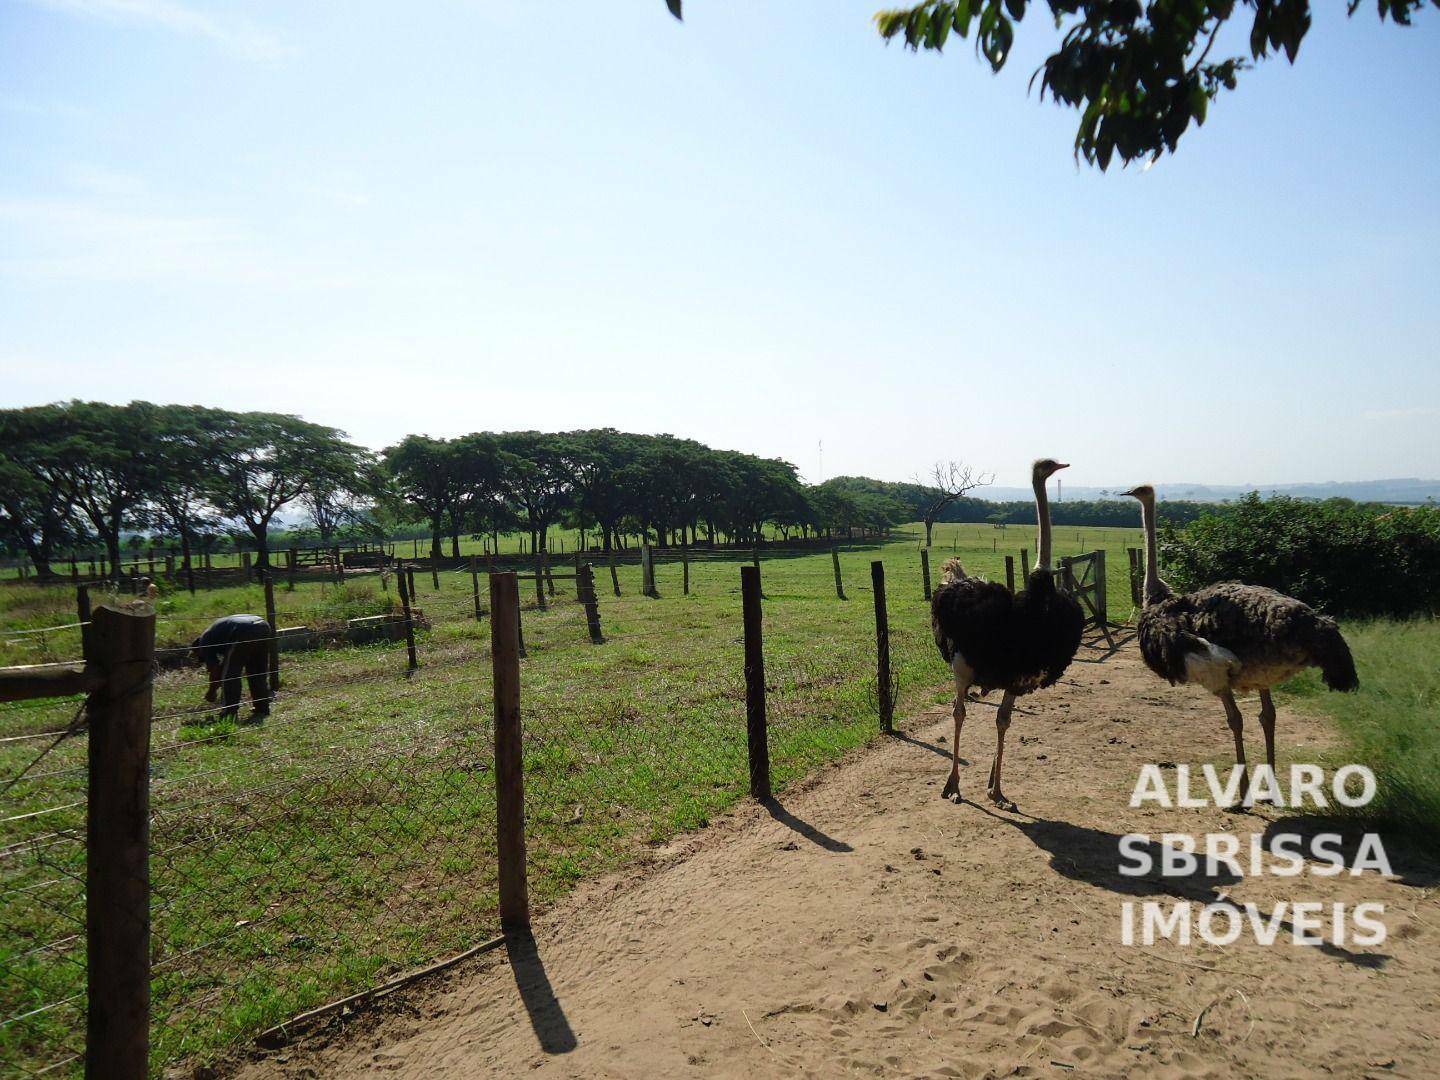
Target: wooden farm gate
{"points": [[1083, 577]]}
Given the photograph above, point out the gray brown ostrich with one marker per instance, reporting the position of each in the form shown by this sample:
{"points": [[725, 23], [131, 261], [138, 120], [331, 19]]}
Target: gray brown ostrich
{"points": [[1233, 637], [997, 641]]}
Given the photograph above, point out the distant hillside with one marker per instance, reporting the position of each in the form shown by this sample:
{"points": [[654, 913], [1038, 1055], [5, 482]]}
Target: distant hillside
{"points": [[1404, 491]]}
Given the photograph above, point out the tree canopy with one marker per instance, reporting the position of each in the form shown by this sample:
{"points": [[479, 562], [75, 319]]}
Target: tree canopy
{"points": [[1139, 74]]}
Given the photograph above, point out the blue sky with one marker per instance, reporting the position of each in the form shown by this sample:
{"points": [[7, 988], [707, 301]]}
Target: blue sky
{"points": [[762, 228]]}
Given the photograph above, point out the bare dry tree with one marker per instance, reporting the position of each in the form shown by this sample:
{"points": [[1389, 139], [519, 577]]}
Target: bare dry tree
{"points": [[949, 481]]}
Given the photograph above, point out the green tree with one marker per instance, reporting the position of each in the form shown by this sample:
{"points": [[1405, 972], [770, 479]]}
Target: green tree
{"points": [[37, 499], [1140, 74], [265, 461], [109, 454]]}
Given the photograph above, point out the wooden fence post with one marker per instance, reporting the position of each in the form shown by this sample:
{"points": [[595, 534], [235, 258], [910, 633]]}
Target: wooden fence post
{"points": [[170, 568], [82, 611], [835, 559], [1010, 572], [509, 760], [274, 631], [585, 583], [685, 568], [614, 574], [291, 569], [339, 566], [245, 566], [758, 736], [475, 585], [1101, 605], [117, 869], [410, 580], [409, 621], [1025, 563], [647, 572], [882, 648], [434, 572], [74, 569], [539, 578], [925, 570]]}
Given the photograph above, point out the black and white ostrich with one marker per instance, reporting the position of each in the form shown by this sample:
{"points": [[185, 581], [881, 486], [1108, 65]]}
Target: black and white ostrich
{"points": [[1233, 637], [998, 641]]}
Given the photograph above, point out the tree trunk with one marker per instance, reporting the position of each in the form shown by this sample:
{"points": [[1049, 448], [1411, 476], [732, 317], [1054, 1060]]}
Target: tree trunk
{"points": [[261, 533], [929, 524]]}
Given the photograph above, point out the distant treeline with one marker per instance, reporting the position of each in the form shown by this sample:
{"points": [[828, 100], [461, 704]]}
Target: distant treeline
{"points": [[1116, 513], [76, 475]]}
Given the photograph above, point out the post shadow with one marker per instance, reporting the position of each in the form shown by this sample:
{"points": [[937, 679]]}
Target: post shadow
{"points": [[776, 810], [900, 736], [546, 1016]]}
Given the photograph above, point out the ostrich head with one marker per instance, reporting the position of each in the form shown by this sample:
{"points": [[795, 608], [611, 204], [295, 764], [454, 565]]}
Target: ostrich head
{"points": [[1143, 492], [1044, 468]]}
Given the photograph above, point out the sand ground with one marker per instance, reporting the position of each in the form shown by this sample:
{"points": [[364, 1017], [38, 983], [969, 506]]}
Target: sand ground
{"points": [[863, 925]]}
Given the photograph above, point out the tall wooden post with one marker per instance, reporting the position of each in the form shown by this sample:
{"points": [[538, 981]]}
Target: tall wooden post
{"points": [[1010, 572], [117, 870], [339, 566], [539, 580], [882, 648], [756, 728], [835, 560], [475, 586], [170, 568], [274, 631], [410, 580], [1101, 593], [82, 612], [685, 568], [245, 566], [405, 595], [549, 573], [292, 569], [585, 581], [925, 570], [1025, 564], [509, 760], [614, 574], [647, 572], [434, 571]]}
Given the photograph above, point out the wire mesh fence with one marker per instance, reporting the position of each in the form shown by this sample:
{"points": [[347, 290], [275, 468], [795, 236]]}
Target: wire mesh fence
{"points": [[352, 834]]}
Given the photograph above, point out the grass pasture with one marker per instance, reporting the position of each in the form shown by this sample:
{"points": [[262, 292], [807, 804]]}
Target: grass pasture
{"points": [[351, 836], [1392, 723]]}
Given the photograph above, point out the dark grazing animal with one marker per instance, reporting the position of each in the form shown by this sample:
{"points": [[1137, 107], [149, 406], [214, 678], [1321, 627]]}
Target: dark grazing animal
{"points": [[997, 641], [232, 647], [1233, 638]]}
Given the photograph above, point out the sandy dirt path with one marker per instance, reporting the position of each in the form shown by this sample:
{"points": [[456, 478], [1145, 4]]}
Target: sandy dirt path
{"points": [[867, 926]]}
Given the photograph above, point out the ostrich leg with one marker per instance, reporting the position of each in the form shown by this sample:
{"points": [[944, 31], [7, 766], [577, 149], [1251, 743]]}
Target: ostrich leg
{"points": [[1267, 725], [1002, 724], [1237, 727], [952, 785]]}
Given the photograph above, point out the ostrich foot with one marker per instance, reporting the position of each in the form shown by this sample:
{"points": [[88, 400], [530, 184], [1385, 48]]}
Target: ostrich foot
{"points": [[952, 788], [998, 798]]}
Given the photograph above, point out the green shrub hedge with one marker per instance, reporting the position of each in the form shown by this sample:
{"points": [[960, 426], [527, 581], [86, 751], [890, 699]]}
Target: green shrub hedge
{"points": [[1343, 558]]}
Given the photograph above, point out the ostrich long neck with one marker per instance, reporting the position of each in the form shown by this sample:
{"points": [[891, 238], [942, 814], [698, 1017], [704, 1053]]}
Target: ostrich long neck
{"points": [[1152, 566], [1042, 516]]}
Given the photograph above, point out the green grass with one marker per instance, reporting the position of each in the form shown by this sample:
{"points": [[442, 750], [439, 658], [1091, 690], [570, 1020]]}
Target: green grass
{"points": [[1392, 723], [352, 835]]}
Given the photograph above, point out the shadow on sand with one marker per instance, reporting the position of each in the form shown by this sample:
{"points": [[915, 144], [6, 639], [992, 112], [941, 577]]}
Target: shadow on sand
{"points": [[546, 1015], [777, 810]]}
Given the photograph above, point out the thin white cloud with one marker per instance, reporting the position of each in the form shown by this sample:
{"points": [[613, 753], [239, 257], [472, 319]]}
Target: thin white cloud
{"points": [[81, 240], [24, 106], [230, 32], [1400, 414]]}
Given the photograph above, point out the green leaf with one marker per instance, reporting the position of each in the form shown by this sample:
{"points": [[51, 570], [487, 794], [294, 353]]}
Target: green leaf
{"points": [[1016, 9], [1199, 103], [674, 6], [964, 12]]}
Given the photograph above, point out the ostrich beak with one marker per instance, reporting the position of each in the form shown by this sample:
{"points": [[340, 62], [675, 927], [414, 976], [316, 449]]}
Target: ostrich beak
{"points": [[1059, 466], [1131, 493]]}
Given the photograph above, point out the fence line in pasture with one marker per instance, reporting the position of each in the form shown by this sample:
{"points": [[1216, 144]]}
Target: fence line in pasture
{"points": [[392, 811]]}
